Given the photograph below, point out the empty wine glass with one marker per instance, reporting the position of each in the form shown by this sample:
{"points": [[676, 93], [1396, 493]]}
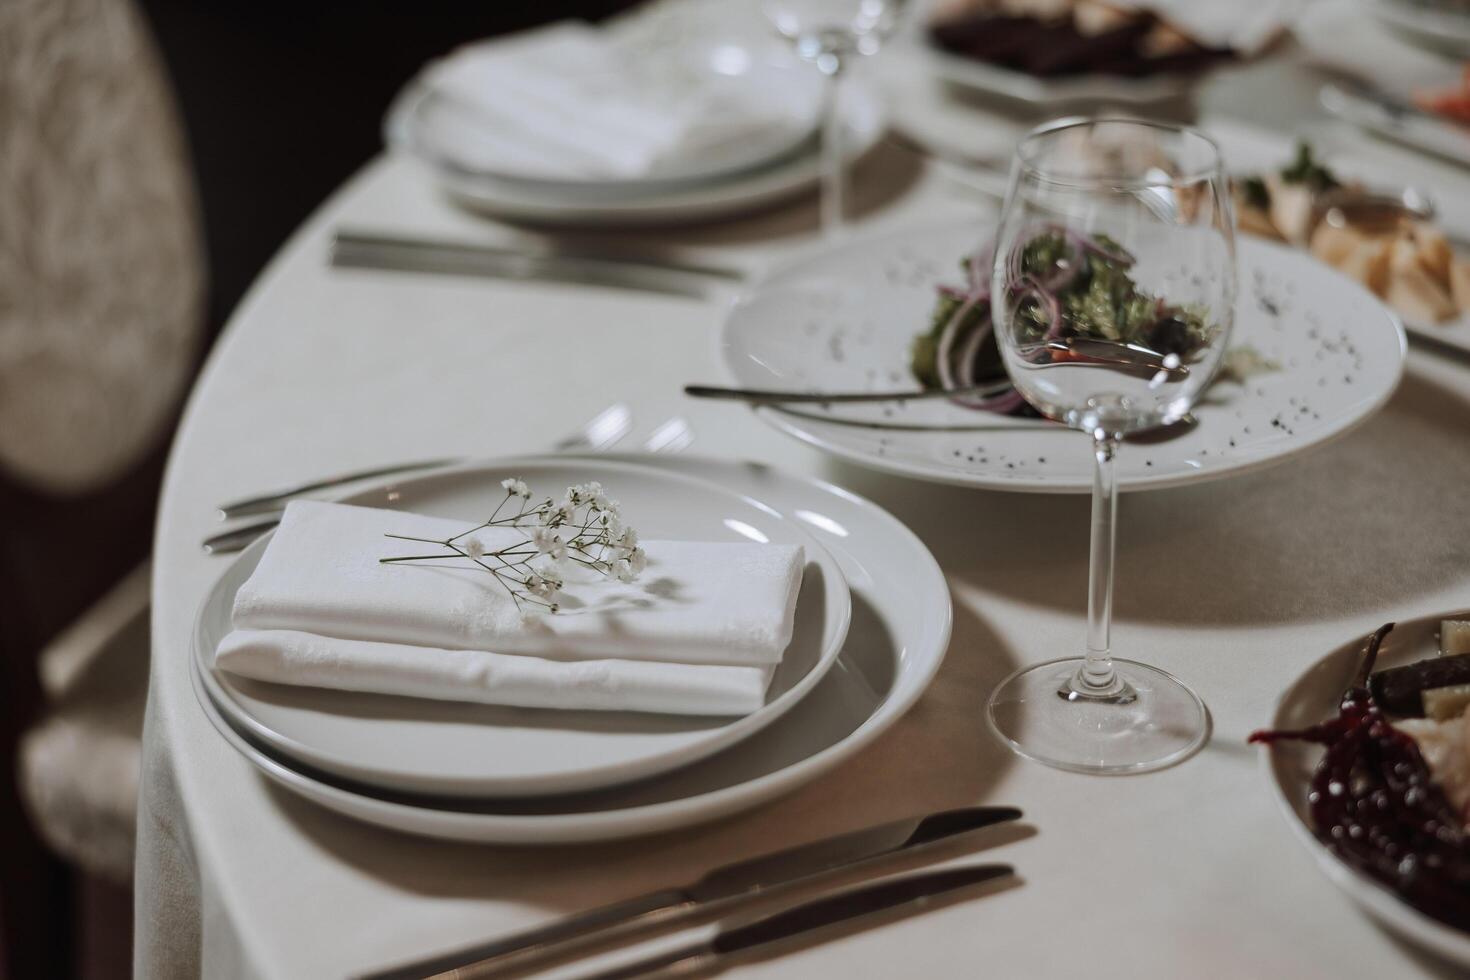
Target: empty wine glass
{"points": [[1113, 296], [828, 33]]}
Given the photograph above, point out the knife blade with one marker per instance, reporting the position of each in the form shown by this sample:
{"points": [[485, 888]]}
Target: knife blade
{"points": [[561, 263], [724, 885], [845, 906]]}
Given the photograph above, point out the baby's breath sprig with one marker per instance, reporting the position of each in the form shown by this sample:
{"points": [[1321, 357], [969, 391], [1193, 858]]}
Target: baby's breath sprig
{"points": [[584, 528]]}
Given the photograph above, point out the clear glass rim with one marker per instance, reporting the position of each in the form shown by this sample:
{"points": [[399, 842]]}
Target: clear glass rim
{"points": [[1026, 163]]}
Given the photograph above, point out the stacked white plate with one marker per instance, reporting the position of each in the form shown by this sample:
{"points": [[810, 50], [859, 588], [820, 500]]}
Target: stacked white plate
{"points": [[474, 772], [729, 178]]}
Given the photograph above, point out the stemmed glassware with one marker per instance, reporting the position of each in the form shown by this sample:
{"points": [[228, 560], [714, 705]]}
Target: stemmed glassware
{"points": [[829, 33], [1113, 296]]}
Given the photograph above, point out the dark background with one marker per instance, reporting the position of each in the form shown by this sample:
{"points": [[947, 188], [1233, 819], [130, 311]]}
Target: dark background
{"points": [[281, 101]]}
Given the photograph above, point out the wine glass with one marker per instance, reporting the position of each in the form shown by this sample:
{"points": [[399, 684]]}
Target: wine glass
{"points": [[1113, 295], [828, 33]]}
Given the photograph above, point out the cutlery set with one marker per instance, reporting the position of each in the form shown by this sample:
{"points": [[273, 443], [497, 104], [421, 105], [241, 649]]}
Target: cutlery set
{"points": [[732, 888], [601, 433]]}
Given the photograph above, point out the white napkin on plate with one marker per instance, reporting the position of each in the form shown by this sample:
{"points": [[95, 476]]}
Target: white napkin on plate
{"points": [[566, 102], [697, 602], [718, 616], [292, 657]]}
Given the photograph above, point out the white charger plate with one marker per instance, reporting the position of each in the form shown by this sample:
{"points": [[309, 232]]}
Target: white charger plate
{"points": [[451, 748], [1312, 699], [738, 193], [901, 617], [843, 320]]}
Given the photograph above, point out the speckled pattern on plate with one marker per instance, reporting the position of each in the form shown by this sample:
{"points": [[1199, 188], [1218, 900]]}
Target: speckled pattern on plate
{"points": [[843, 319]]}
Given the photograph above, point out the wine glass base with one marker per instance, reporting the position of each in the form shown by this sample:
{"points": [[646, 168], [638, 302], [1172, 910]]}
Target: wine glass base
{"points": [[1164, 724]]}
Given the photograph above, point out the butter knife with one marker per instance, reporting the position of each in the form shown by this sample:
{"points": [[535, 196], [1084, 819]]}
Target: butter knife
{"points": [[727, 884], [845, 906]]}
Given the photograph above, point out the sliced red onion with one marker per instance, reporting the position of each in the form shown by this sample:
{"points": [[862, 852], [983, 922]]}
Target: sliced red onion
{"points": [[970, 353]]}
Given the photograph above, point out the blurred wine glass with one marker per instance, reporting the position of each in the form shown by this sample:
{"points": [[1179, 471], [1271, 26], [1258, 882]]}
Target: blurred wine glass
{"points": [[829, 34], [1113, 295]]}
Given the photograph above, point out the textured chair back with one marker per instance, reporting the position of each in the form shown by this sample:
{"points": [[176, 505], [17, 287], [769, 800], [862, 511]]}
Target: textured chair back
{"points": [[101, 271]]}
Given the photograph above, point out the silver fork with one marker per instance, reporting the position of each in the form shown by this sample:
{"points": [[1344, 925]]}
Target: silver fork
{"points": [[601, 432], [671, 436]]}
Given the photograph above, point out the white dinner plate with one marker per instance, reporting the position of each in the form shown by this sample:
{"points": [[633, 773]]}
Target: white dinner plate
{"points": [[440, 130], [1289, 766], [1435, 27], [430, 746], [739, 193], [843, 320], [1252, 150], [917, 50], [901, 626]]}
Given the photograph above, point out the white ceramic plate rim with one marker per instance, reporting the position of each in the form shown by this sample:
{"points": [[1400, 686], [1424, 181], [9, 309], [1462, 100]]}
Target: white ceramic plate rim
{"points": [[1443, 26], [651, 818], [837, 614], [996, 79], [864, 121], [792, 426], [1379, 900]]}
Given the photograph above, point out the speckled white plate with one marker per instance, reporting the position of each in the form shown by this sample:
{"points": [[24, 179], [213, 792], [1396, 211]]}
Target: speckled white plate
{"points": [[445, 747], [843, 320], [901, 627], [1289, 766]]}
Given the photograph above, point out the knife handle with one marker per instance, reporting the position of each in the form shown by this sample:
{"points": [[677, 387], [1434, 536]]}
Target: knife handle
{"points": [[492, 959]]}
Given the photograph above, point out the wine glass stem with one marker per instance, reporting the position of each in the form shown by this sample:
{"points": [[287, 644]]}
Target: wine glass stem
{"points": [[1095, 679], [834, 170]]}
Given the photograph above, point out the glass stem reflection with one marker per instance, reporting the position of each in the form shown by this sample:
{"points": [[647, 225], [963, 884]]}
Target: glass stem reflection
{"points": [[1096, 680], [833, 205]]}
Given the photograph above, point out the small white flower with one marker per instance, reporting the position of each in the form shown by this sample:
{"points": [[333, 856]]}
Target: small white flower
{"points": [[474, 548], [638, 561], [543, 585], [549, 544], [595, 494], [622, 570], [561, 513], [516, 488], [613, 524]]}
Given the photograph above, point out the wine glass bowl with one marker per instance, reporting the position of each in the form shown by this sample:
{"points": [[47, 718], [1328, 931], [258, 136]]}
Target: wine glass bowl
{"points": [[1112, 299], [1146, 206]]}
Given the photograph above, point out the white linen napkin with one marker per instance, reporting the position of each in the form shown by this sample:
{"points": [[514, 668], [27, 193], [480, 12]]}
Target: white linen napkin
{"points": [[567, 102], [697, 602], [1245, 26], [292, 657]]}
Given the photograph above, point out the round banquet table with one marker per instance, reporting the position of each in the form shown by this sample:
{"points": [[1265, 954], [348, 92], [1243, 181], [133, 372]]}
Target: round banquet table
{"points": [[1235, 586]]}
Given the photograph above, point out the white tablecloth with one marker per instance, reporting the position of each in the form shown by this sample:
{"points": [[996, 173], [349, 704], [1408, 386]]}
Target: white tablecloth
{"points": [[1234, 586]]}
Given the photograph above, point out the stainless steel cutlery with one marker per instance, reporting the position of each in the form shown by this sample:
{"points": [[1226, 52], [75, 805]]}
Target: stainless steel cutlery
{"points": [[720, 889]]}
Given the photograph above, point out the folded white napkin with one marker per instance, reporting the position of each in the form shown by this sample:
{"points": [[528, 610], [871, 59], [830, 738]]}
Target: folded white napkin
{"points": [[697, 602], [567, 102], [1245, 26], [291, 657], [700, 631]]}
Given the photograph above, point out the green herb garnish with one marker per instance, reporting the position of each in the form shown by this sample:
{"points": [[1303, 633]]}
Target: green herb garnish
{"points": [[1306, 170]]}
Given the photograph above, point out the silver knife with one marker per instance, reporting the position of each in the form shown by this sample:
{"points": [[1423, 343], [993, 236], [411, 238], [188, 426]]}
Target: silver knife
{"points": [[758, 875], [561, 263], [845, 906]]}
